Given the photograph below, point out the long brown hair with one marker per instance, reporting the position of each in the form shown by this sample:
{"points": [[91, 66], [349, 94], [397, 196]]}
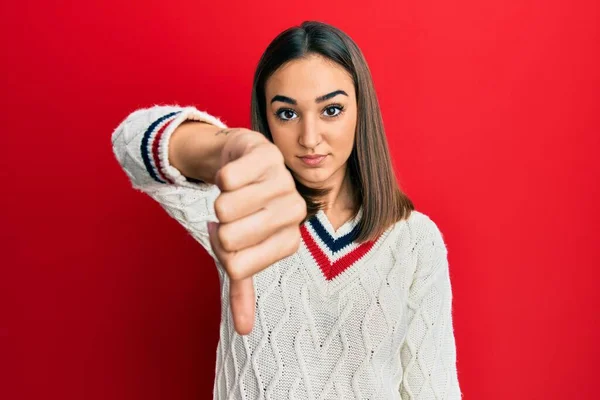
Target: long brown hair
{"points": [[369, 166]]}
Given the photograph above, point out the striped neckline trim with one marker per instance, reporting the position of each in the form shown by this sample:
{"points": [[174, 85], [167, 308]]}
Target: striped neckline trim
{"points": [[326, 247]]}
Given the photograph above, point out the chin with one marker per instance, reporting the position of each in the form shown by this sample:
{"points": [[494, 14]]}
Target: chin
{"points": [[313, 178]]}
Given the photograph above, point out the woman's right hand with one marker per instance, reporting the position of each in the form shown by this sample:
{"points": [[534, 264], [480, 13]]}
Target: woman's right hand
{"points": [[259, 213]]}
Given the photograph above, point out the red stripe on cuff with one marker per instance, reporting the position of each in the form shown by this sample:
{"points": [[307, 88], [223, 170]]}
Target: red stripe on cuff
{"points": [[155, 148]]}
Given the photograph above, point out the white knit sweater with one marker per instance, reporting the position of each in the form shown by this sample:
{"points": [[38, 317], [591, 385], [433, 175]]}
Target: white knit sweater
{"points": [[335, 320]]}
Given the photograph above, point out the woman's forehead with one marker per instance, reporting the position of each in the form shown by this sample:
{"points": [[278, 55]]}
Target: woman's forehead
{"points": [[305, 79]]}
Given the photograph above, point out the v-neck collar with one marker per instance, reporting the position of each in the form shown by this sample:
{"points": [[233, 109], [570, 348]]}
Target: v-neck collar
{"points": [[335, 253], [334, 239]]}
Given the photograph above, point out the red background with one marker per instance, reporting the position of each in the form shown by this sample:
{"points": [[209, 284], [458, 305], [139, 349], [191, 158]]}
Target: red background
{"points": [[492, 111]]}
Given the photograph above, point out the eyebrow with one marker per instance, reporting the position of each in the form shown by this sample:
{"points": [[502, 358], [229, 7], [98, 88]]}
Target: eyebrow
{"points": [[320, 99]]}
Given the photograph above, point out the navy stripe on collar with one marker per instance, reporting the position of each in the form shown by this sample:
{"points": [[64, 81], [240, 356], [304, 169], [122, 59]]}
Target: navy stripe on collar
{"points": [[333, 244]]}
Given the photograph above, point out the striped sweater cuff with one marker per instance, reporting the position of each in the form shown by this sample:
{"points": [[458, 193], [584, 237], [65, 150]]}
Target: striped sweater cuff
{"points": [[155, 144]]}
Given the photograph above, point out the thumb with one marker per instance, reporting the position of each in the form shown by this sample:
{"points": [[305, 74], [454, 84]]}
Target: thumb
{"points": [[242, 303], [241, 292]]}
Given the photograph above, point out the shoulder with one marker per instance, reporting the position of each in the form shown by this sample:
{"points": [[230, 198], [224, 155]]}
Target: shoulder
{"points": [[418, 231]]}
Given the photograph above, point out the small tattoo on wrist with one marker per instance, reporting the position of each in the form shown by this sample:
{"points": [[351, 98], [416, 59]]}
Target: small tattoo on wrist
{"points": [[226, 131]]}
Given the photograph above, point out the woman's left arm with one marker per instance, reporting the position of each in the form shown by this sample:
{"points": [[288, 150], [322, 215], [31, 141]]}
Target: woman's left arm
{"points": [[428, 355]]}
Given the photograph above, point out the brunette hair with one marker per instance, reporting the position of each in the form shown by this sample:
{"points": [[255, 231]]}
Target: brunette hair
{"points": [[369, 166]]}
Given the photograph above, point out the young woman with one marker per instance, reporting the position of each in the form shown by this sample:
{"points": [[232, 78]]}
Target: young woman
{"points": [[333, 286]]}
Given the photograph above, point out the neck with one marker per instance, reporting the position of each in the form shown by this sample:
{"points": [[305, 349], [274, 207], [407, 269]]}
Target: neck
{"points": [[340, 198]]}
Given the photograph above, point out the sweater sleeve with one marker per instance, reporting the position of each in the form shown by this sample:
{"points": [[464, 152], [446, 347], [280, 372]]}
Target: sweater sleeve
{"points": [[428, 355], [141, 145]]}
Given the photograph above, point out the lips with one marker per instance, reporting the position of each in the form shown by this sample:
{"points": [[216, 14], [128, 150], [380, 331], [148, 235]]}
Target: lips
{"points": [[313, 160], [314, 156]]}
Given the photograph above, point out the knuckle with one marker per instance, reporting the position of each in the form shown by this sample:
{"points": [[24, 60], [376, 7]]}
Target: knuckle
{"points": [[224, 259], [285, 181], [221, 208], [248, 146], [225, 177], [234, 270], [296, 239], [289, 179], [293, 242], [300, 207], [253, 134], [274, 153], [228, 242]]}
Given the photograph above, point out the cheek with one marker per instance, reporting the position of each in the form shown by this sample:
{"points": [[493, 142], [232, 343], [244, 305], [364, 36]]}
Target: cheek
{"points": [[344, 138]]}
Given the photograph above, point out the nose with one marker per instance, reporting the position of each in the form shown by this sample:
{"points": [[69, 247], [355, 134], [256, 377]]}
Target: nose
{"points": [[310, 136]]}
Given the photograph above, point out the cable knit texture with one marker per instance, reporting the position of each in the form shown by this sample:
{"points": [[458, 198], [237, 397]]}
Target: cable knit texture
{"points": [[335, 320]]}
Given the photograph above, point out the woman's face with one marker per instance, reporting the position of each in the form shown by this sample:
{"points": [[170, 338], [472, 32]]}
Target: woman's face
{"points": [[311, 112]]}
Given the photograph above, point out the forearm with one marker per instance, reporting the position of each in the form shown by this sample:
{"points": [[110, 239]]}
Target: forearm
{"points": [[141, 144], [195, 149]]}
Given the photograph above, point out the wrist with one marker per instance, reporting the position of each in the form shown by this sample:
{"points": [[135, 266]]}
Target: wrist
{"points": [[195, 149]]}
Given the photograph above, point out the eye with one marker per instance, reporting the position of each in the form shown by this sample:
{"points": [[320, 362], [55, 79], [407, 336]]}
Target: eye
{"points": [[333, 111], [286, 114]]}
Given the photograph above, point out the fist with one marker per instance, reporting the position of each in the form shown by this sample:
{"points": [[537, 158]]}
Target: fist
{"points": [[259, 213]]}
